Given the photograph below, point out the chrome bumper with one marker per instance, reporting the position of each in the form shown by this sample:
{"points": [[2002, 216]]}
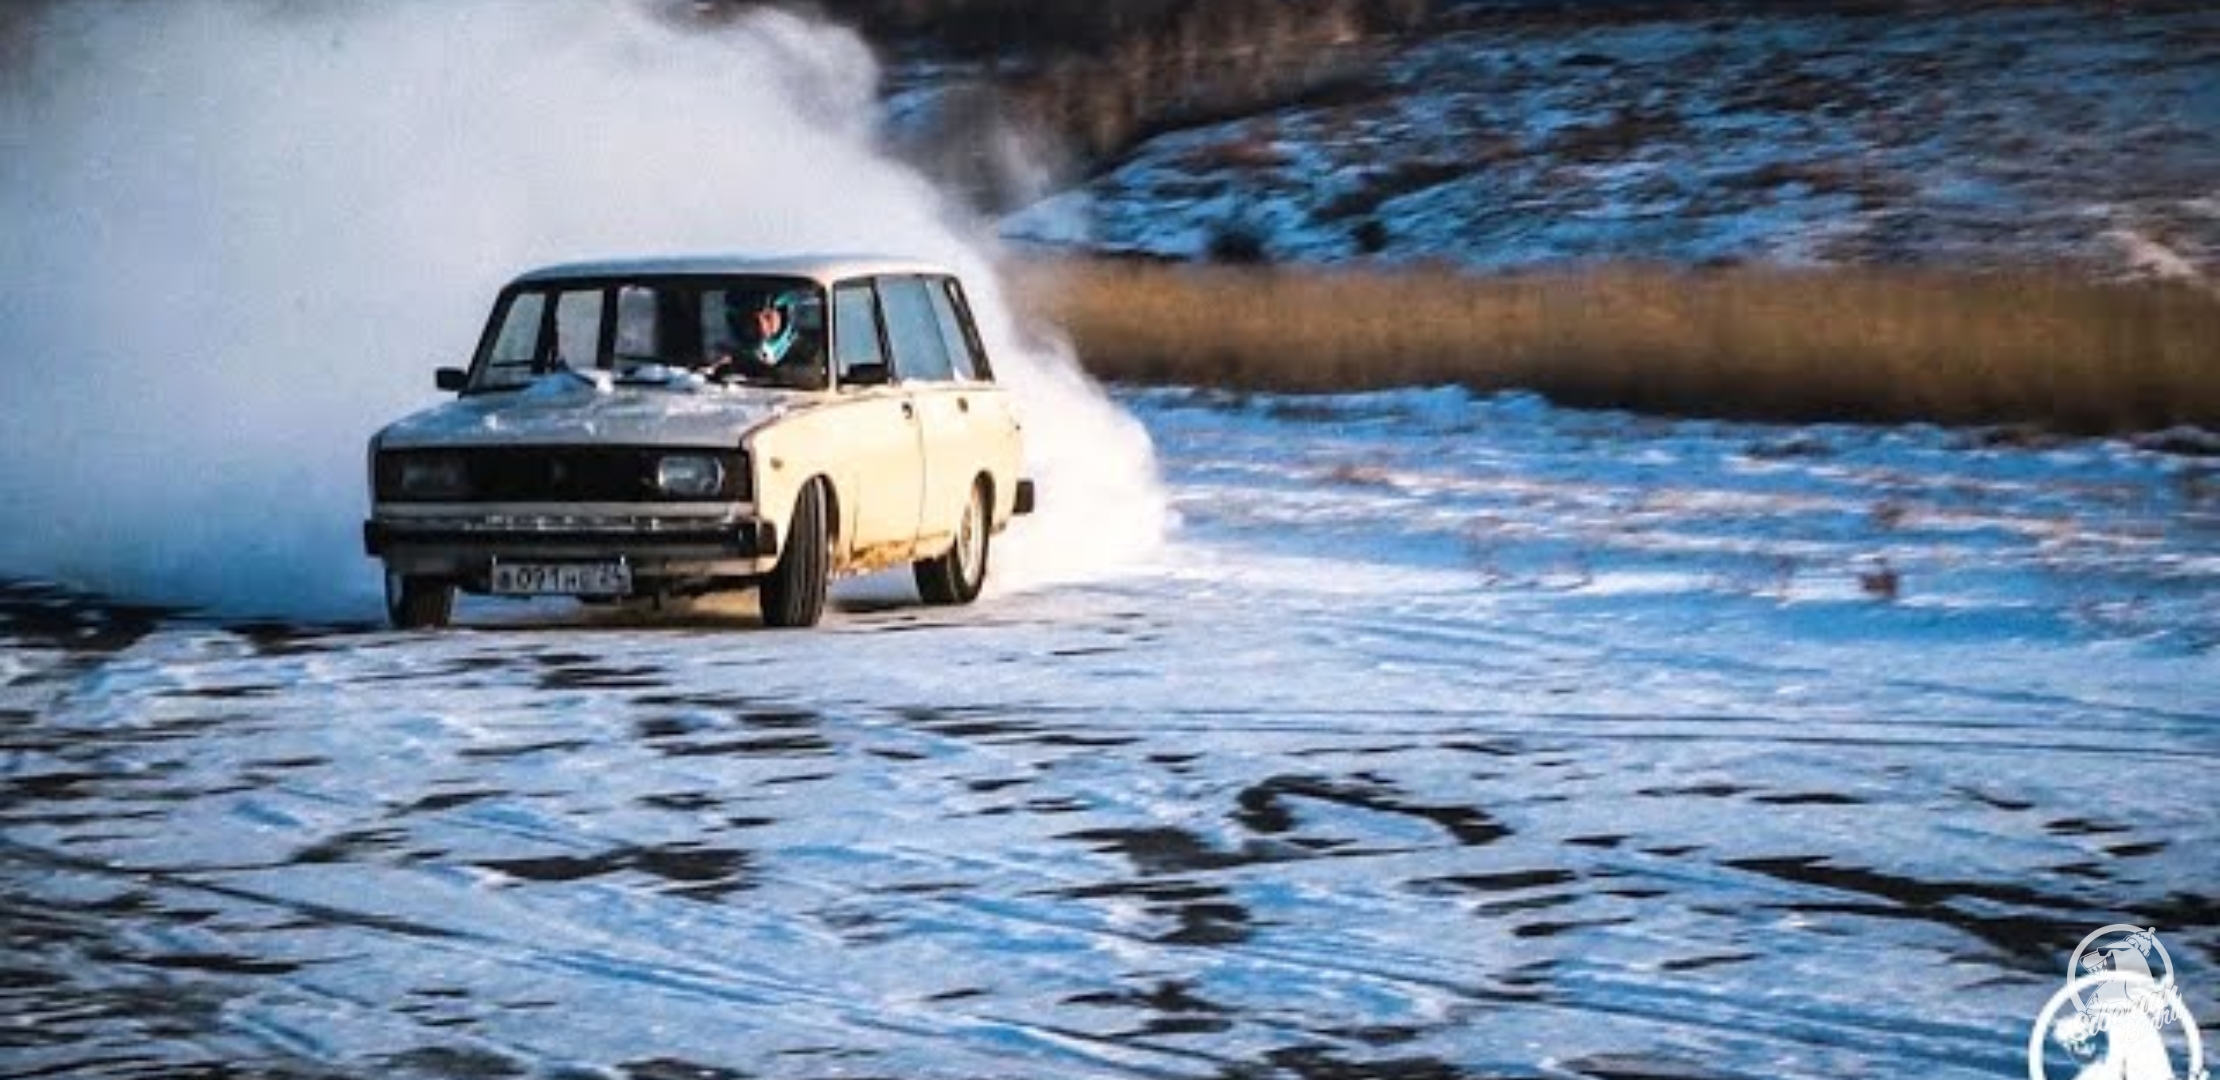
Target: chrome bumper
{"points": [[458, 547]]}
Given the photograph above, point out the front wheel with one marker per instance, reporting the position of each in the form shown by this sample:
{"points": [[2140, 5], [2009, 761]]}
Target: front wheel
{"points": [[957, 577], [418, 603], [794, 595]]}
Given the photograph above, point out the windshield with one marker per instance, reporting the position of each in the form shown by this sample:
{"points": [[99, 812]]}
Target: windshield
{"points": [[657, 330]]}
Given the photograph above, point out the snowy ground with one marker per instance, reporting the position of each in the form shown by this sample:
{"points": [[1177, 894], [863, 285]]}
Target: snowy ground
{"points": [[2060, 134], [1447, 738]]}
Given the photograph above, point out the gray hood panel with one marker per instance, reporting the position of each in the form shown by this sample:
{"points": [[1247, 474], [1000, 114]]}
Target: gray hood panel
{"points": [[567, 409]]}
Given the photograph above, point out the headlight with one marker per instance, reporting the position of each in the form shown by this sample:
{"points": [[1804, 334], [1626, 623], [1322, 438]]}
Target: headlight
{"points": [[689, 476], [423, 477]]}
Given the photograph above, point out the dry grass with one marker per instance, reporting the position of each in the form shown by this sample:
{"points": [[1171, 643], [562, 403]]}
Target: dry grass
{"points": [[1856, 344]]}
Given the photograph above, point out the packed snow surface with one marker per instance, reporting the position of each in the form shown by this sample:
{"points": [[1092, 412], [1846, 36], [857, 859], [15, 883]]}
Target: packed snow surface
{"points": [[1446, 737]]}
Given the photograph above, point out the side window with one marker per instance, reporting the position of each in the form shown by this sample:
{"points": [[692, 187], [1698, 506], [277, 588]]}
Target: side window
{"points": [[920, 354], [856, 341], [970, 328], [516, 344], [962, 350], [578, 328]]}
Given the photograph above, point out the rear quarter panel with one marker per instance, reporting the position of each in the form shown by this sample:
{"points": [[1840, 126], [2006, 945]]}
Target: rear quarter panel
{"points": [[986, 439]]}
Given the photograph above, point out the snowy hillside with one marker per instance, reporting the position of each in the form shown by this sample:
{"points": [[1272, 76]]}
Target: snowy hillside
{"points": [[2087, 135]]}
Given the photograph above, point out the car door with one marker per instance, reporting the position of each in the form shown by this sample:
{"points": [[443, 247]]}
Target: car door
{"points": [[880, 440], [944, 405], [991, 442]]}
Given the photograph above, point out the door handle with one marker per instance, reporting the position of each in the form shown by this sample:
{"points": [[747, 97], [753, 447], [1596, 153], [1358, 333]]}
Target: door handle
{"points": [[909, 411], [963, 404]]}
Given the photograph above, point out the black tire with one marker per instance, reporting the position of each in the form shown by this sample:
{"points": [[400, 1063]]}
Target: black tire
{"points": [[958, 577], [794, 595], [418, 603]]}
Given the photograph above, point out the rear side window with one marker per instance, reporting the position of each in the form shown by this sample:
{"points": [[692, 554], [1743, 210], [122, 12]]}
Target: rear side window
{"points": [[962, 350], [920, 352]]}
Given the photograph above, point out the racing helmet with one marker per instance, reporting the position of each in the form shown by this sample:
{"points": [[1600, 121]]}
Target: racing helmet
{"points": [[772, 347]]}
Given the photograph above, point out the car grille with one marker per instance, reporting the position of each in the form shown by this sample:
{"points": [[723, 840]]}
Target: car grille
{"points": [[556, 475]]}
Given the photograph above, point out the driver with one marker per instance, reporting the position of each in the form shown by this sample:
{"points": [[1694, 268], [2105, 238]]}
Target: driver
{"points": [[774, 329], [761, 337]]}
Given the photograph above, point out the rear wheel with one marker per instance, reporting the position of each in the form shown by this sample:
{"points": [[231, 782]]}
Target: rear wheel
{"points": [[418, 603], [957, 577], [794, 595]]}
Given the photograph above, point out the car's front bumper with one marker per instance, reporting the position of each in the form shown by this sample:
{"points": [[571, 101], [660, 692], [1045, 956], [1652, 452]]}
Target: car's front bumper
{"points": [[465, 548]]}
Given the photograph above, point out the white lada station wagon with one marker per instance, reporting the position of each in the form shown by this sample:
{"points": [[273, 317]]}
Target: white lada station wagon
{"points": [[673, 427]]}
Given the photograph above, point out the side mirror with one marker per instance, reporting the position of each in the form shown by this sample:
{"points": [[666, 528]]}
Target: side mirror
{"points": [[452, 380], [865, 375]]}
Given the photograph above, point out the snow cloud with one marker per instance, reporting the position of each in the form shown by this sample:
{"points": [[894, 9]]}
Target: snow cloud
{"points": [[241, 236]]}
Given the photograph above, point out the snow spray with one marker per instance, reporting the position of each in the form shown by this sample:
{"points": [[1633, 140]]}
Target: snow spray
{"points": [[240, 237]]}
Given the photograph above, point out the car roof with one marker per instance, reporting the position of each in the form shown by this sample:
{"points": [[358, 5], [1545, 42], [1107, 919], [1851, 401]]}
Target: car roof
{"points": [[824, 269]]}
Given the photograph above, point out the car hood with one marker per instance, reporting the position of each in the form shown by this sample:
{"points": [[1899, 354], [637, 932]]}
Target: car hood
{"points": [[569, 409]]}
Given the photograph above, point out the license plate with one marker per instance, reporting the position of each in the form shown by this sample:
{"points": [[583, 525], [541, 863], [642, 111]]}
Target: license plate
{"points": [[562, 579]]}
